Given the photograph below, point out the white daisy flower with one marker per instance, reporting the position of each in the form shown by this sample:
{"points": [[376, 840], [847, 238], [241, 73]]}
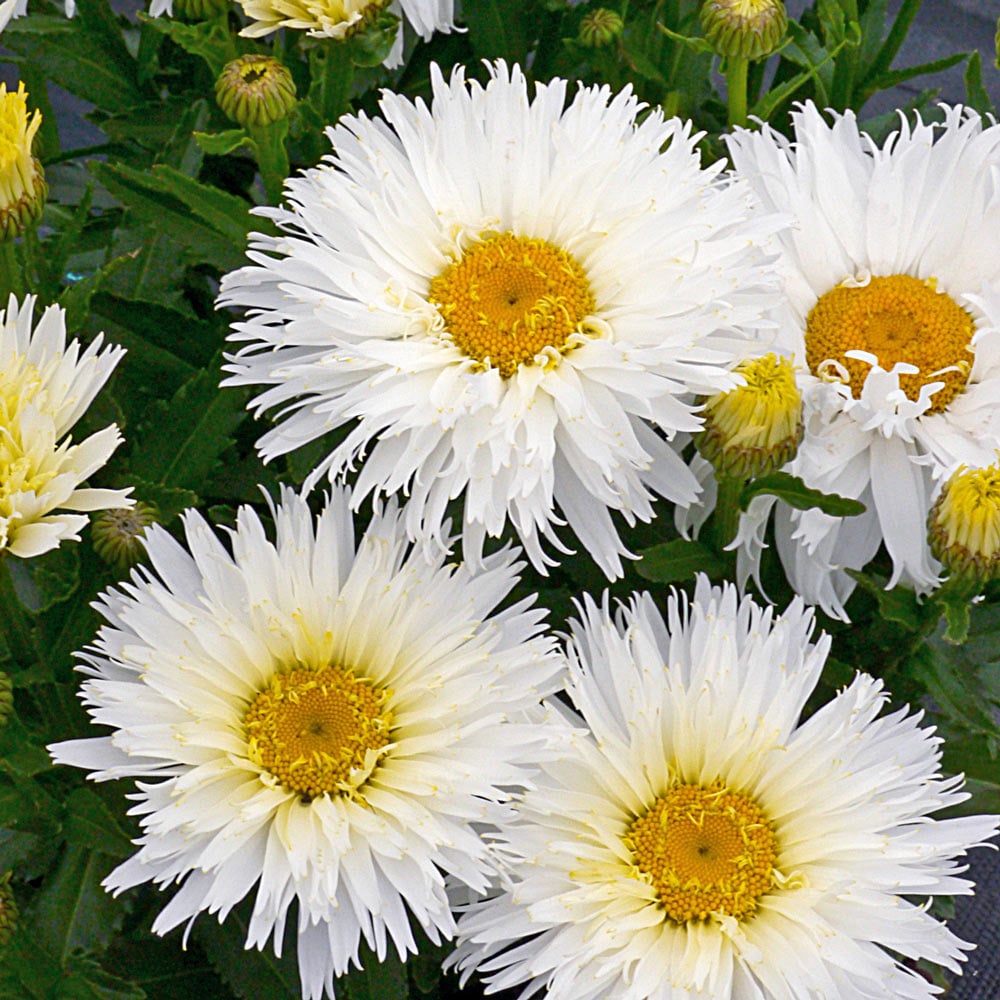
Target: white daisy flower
{"points": [[340, 19], [893, 308], [322, 722], [45, 387], [698, 839], [513, 298]]}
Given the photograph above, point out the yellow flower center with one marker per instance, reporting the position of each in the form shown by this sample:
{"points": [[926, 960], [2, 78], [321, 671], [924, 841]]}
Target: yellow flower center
{"points": [[965, 523], [898, 318], [510, 300], [755, 428], [312, 729], [21, 470], [705, 851]]}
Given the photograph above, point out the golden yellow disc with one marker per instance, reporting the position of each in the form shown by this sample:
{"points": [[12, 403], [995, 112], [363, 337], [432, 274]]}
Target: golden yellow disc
{"points": [[509, 299], [898, 319], [705, 851], [312, 728]]}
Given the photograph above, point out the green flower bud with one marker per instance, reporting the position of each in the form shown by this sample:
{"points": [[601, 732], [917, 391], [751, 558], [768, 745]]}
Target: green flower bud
{"points": [[255, 91], [6, 698], [8, 911], [117, 534], [599, 28], [963, 526], [748, 29], [200, 10], [754, 429], [22, 183]]}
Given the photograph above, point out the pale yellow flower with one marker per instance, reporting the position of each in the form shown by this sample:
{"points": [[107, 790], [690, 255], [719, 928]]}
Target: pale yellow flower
{"points": [[45, 387]]}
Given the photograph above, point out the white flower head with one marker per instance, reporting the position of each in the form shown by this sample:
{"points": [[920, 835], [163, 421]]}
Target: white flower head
{"points": [[698, 838], [515, 299], [46, 385], [892, 281], [323, 721], [340, 19]]}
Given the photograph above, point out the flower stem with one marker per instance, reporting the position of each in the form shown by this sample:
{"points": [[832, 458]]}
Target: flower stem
{"points": [[727, 511], [736, 89]]}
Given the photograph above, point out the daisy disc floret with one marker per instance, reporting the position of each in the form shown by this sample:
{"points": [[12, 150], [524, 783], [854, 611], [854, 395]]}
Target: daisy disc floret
{"points": [[507, 299], [892, 319], [313, 720], [46, 385], [696, 836]]}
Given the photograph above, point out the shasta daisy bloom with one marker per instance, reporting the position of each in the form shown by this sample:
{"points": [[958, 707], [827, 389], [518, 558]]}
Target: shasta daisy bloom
{"points": [[46, 385], [340, 19], [697, 837], [322, 721], [893, 306], [514, 298]]}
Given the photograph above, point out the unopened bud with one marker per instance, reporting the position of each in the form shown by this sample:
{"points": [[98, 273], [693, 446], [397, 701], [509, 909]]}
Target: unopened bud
{"points": [[748, 29], [600, 27], [6, 698], [8, 911], [117, 534], [754, 429], [963, 526], [22, 183], [255, 91]]}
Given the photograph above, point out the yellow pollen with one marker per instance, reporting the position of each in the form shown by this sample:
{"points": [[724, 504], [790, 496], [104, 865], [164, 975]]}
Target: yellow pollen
{"points": [[312, 728], [705, 851], [509, 299], [898, 318], [964, 523]]}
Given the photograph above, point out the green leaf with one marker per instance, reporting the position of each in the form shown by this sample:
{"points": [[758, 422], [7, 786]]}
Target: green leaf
{"points": [[898, 605], [191, 339], [976, 95], [210, 40], [250, 974], [76, 298], [72, 910], [20, 755], [796, 494], [210, 224], [425, 968], [56, 575], [954, 687], [181, 444], [897, 76], [893, 42], [956, 615], [86, 54], [224, 143], [385, 980], [496, 30], [89, 823], [169, 500], [678, 560], [86, 980]]}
